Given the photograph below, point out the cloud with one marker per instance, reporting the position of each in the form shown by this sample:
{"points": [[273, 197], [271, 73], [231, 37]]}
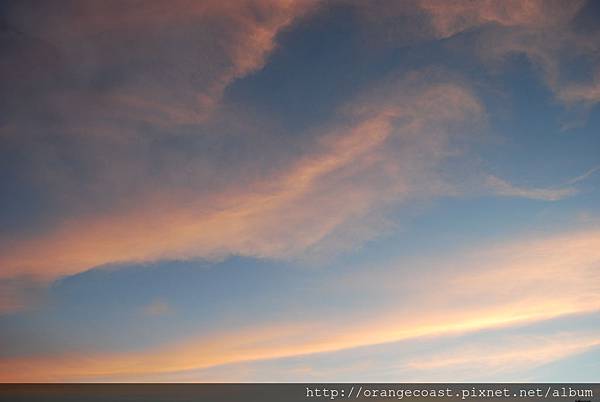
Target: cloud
{"points": [[106, 101], [584, 176], [122, 134], [503, 188], [545, 32], [452, 17], [384, 148], [129, 172], [516, 353], [519, 283], [110, 104], [157, 62], [552, 51], [551, 34], [508, 354]]}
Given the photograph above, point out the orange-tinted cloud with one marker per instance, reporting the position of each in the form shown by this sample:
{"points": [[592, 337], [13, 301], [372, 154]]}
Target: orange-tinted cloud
{"points": [[160, 202], [156, 62], [386, 149], [389, 146], [518, 283]]}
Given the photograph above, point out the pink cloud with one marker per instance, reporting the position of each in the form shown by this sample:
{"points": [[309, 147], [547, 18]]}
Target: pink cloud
{"points": [[397, 137], [495, 286]]}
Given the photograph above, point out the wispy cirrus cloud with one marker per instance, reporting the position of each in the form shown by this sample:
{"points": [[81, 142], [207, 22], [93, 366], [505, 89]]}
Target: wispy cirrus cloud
{"points": [[495, 287], [504, 188], [451, 17], [548, 33], [544, 31], [504, 359], [585, 175], [385, 148], [501, 187]]}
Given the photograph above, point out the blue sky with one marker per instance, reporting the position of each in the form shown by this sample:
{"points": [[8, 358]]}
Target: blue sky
{"points": [[300, 191]]}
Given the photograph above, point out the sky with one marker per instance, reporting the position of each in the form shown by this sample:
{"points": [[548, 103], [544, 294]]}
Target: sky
{"points": [[300, 191]]}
